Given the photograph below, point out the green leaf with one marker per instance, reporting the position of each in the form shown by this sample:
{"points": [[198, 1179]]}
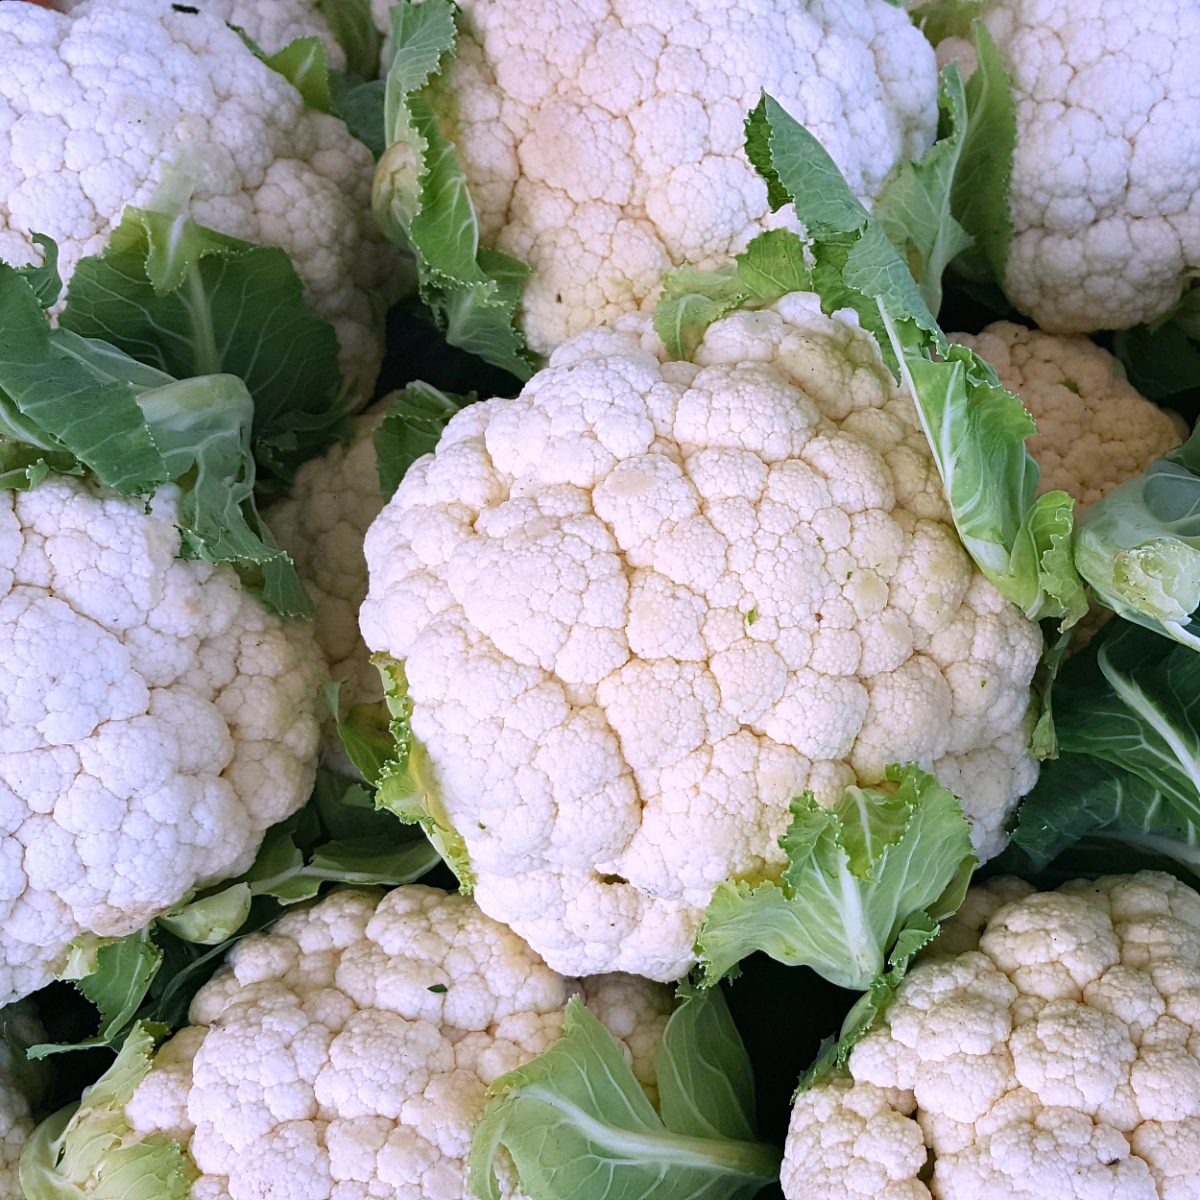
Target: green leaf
{"points": [[44, 278], [303, 64], [189, 301], [878, 867], [948, 18], [422, 201], [975, 428], [359, 103], [90, 1149], [1139, 547], [412, 427], [770, 267], [365, 733], [353, 28], [211, 920], [407, 789], [118, 975], [914, 208], [577, 1124], [53, 404], [982, 182]]}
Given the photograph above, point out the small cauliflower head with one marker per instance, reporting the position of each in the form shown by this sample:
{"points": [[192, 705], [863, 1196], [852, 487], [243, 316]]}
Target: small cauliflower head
{"points": [[645, 603], [603, 139], [155, 719], [322, 524], [1095, 429], [19, 1026], [1056, 1052], [350, 1049], [96, 103], [1104, 204]]}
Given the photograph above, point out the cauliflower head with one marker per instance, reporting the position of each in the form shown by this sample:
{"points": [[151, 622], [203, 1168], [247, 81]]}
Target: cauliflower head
{"points": [[351, 1047], [603, 140], [18, 1024], [645, 603], [322, 524], [1054, 1053], [1095, 429], [95, 104], [1104, 205], [154, 720]]}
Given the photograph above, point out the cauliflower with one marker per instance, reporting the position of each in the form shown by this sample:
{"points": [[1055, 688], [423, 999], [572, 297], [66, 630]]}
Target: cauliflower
{"points": [[1095, 430], [1105, 210], [602, 142], [156, 720], [95, 104], [322, 524], [645, 603], [1056, 1053], [19, 1027], [350, 1049]]}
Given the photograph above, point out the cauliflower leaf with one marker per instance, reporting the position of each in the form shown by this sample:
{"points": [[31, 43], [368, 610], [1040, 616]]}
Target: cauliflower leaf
{"points": [[608, 1140], [422, 201], [412, 427], [85, 1148], [879, 868]]}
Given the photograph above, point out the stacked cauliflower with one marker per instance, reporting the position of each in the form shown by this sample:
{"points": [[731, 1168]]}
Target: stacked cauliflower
{"points": [[603, 142], [192, 98], [1104, 204], [645, 603], [353, 1046], [1094, 428], [1049, 1048], [155, 719]]}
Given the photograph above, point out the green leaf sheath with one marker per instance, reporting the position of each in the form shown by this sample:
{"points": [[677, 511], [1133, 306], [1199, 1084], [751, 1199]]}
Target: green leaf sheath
{"points": [[190, 301], [422, 201], [411, 428], [576, 1123], [877, 867]]}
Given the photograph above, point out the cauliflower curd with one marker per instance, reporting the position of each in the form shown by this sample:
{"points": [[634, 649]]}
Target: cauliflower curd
{"points": [[645, 603], [1054, 1053], [19, 1023], [174, 85], [350, 1049], [1095, 429], [155, 719], [602, 139]]}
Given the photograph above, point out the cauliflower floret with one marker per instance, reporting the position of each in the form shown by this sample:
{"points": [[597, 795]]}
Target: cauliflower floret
{"points": [[603, 141], [322, 524], [1105, 210], [645, 603], [1057, 1055], [1095, 429], [174, 84], [19, 1023], [155, 719], [361, 1034]]}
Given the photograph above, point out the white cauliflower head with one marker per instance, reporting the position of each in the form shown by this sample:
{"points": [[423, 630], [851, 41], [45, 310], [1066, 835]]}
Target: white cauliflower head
{"points": [[19, 1026], [603, 139], [645, 603], [321, 524], [1095, 429], [155, 719], [1104, 203], [351, 1047], [95, 104], [1057, 1056]]}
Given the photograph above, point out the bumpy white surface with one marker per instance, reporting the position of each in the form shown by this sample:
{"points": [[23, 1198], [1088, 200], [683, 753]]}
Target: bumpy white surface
{"points": [[602, 139], [322, 524], [320, 1055], [1105, 208], [154, 720], [94, 105], [1056, 1053], [645, 603], [16, 1117], [1095, 429]]}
